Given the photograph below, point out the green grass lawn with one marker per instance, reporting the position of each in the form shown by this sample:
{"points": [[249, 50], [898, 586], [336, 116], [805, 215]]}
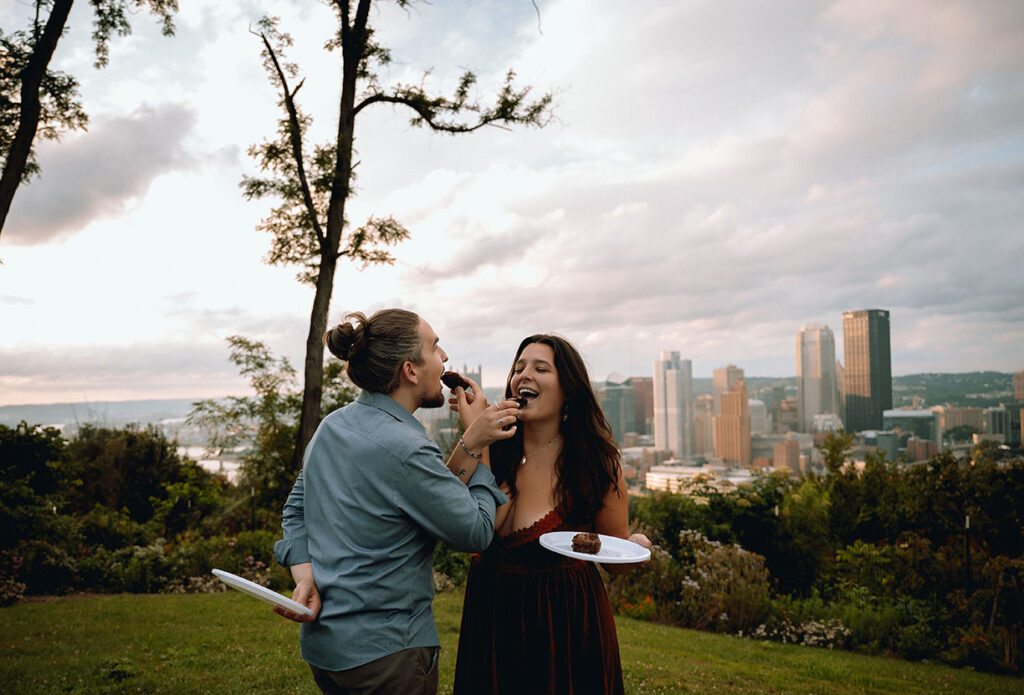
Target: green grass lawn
{"points": [[230, 643]]}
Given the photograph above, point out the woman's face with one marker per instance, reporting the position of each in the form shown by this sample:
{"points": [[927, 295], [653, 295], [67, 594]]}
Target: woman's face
{"points": [[535, 379]]}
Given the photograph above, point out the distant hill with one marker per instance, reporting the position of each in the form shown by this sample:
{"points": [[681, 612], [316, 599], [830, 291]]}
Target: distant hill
{"points": [[102, 413], [979, 389]]}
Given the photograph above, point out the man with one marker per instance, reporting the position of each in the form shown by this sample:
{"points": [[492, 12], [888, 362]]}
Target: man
{"points": [[373, 496]]}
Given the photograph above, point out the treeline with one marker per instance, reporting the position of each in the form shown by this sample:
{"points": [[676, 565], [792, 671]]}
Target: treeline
{"points": [[922, 561], [116, 510]]}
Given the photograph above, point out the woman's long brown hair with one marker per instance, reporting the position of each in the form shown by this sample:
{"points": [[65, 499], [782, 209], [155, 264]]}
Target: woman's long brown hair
{"points": [[589, 462]]}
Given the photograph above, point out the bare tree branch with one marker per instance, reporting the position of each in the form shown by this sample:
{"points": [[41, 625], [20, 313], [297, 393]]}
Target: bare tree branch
{"points": [[295, 137]]}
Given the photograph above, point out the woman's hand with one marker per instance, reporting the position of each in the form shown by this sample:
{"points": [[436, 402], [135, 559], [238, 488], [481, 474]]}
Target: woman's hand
{"points": [[305, 593], [641, 540]]}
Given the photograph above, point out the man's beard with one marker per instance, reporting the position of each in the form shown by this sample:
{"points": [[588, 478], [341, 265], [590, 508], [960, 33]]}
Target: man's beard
{"points": [[433, 400]]}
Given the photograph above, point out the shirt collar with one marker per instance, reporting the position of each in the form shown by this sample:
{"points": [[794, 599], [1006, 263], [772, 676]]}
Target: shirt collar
{"points": [[389, 405]]}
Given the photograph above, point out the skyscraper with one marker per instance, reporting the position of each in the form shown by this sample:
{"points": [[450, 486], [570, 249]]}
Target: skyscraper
{"points": [[703, 430], [723, 380], [732, 426], [615, 396], [816, 384], [673, 404], [868, 369], [643, 403]]}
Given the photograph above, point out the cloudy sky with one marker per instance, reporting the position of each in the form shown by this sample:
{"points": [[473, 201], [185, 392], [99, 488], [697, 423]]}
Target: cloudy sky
{"points": [[718, 175]]}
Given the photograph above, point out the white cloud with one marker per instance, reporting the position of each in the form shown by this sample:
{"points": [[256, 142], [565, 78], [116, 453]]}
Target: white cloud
{"points": [[100, 173]]}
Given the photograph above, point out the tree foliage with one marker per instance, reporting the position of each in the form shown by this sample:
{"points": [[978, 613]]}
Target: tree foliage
{"points": [[37, 101], [312, 184], [263, 425], [921, 560], [960, 433], [88, 513]]}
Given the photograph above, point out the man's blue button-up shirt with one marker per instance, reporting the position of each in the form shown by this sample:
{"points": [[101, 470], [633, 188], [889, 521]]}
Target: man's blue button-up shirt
{"points": [[371, 500]]}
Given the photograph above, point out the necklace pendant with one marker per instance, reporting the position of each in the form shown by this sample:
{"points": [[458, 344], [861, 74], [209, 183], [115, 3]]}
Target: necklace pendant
{"points": [[522, 460]]}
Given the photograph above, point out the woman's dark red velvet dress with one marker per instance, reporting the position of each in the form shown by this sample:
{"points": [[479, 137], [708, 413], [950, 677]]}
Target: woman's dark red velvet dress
{"points": [[535, 622]]}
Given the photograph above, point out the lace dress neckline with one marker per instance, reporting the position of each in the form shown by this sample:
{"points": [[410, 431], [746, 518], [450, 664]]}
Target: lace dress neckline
{"points": [[546, 523]]}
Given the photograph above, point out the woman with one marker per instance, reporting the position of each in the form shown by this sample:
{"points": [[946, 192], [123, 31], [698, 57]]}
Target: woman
{"points": [[535, 621]]}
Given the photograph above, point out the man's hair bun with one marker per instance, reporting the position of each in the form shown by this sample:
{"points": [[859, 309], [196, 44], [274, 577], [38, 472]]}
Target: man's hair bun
{"points": [[345, 339], [375, 348]]}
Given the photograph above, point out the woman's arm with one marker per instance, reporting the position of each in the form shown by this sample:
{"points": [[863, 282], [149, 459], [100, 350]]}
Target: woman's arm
{"points": [[613, 520], [501, 513]]}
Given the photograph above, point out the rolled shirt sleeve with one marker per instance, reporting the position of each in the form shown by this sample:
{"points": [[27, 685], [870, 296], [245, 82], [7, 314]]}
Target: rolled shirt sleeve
{"points": [[293, 549]]}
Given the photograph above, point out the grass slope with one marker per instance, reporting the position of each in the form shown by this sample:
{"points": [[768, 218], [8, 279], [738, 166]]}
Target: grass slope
{"points": [[230, 643]]}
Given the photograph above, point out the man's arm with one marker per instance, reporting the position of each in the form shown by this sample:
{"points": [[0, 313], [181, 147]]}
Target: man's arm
{"points": [[460, 514], [305, 593], [292, 551]]}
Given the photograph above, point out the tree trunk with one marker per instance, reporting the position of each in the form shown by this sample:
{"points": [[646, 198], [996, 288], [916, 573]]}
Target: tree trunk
{"points": [[313, 371], [353, 46], [28, 118]]}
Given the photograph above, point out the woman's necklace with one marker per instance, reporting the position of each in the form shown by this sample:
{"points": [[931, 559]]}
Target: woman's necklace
{"points": [[526, 456]]}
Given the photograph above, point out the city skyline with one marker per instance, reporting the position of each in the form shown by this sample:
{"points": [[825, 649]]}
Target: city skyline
{"points": [[713, 181]]}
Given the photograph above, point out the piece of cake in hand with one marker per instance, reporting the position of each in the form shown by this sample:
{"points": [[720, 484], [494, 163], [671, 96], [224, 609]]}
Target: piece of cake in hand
{"points": [[586, 543], [453, 380]]}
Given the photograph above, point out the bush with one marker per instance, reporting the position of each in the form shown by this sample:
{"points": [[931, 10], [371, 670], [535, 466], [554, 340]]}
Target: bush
{"points": [[716, 586], [451, 563], [48, 567], [113, 528], [249, 555], [830, 634], [11, 590], [981, 649]]}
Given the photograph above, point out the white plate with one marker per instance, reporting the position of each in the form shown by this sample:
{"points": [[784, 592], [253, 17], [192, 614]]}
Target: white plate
{"points": [[261, 592], [613, 550]]}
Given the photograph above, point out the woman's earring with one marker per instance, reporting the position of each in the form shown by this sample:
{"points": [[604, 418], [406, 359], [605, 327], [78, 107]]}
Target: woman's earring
{"points": [[565, 412]]}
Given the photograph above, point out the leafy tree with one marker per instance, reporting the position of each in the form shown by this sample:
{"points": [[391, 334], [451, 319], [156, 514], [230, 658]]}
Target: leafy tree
{"points": [[806, 541], [125, 468], [186, 503], [35, 100], [309, 224], [36, 475], [667, 515], [264, 425], [835, 450], [960, 433]]}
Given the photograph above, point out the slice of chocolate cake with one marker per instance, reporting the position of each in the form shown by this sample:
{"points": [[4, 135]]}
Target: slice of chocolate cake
{"points": [[586, 543], [454, 379]]}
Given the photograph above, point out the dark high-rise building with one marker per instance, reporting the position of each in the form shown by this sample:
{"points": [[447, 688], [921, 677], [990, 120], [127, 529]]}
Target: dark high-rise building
{"points": [[868, 368], [643, 403], [615, 397]]}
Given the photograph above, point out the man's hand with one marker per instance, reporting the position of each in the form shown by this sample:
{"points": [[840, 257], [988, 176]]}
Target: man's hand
{"points": [[468, 404], [305, 593]]}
